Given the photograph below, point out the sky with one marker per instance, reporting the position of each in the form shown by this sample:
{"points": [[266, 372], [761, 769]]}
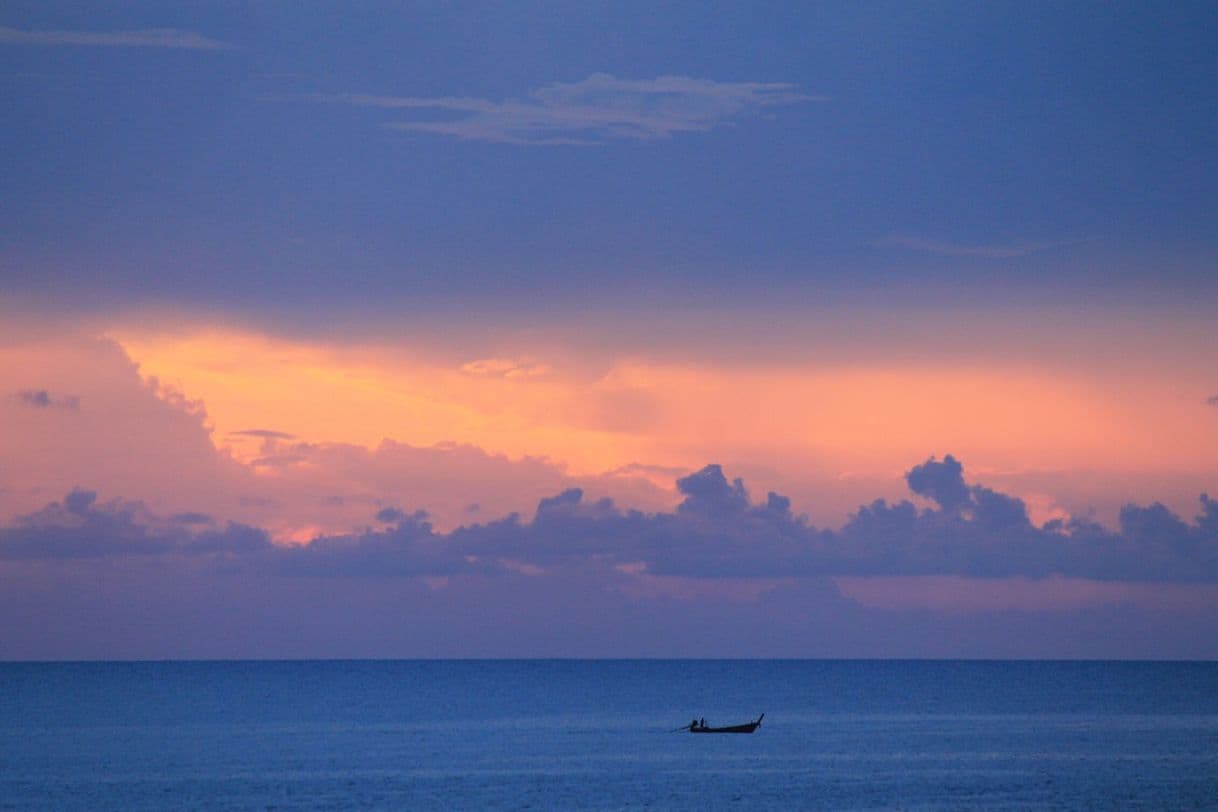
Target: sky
{"points": [[608, 330]]}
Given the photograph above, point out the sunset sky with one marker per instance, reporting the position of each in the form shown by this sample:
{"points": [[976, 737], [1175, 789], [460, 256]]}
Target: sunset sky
{"points": [[526, 329]]}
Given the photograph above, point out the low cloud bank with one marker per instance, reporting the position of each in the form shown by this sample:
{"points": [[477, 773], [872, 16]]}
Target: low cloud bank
{"points": [[717, 531], [79, 527]]}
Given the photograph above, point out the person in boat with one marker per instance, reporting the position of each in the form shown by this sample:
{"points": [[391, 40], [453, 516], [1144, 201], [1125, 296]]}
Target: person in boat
{"points": [[693, 725], [702, 723]]}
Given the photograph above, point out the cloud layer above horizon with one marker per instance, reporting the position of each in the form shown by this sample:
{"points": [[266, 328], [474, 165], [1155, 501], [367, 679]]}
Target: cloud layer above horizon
{"points": [[716, 531], [414, 329], [968, 576]]}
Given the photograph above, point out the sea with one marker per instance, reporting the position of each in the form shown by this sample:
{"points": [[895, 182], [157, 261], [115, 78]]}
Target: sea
{"points": [[608, 734]]}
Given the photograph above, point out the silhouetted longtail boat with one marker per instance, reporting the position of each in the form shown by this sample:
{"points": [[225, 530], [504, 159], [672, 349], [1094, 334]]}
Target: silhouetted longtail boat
{"points": [[745, 728]]}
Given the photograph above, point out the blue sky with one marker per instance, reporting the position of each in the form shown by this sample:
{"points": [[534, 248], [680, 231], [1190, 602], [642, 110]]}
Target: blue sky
{"points": [[271, 270], [982, 151]]}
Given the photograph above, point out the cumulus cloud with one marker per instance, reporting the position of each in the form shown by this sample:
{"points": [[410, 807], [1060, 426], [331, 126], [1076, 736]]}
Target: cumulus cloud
{"points": [[139, 38], [941, 481], [707, 493], [81, 527], [390, 515], [158, 447], [595, 110], [716, 532], [407, 549]]}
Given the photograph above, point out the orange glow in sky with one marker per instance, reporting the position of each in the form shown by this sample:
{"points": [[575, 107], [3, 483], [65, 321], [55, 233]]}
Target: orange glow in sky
{"points": [[863, 416]]}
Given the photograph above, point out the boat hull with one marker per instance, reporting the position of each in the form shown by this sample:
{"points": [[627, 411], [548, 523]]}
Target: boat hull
{"points": [[749, 728], [745, 728]]}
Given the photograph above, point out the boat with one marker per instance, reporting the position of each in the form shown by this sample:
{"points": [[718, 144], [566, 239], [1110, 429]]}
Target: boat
{"points": [[748, 727]]}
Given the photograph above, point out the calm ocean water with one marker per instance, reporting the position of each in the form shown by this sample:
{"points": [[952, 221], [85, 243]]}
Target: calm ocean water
{"points": [[595, 735]]}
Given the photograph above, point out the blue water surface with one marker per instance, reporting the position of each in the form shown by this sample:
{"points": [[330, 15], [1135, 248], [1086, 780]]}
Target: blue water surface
{"points": [[564, 734]]}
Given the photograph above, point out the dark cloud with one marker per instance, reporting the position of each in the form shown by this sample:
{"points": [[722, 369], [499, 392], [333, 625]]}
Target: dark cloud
{"points": [[79, 501], [997, 512], [975, 531], [1212, 401], [1207, 521], [716, 532], [233, 539], [407, 549], [265, 434], [941, 481], [42, 399], [564, 503], [80, 527], [707, 493], [392, 515]]}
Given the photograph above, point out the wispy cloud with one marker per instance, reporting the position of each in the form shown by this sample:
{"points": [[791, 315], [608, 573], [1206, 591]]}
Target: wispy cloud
{"points": [[595, 110], [952, 249], [1212, 401], [265, 434], [139, 38], [42, 399], [504, 368]]}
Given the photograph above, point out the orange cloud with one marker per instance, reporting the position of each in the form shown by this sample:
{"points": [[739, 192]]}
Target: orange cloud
{"points": [[364, 395], [869, 418], [303, 421], [138, 438]]}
